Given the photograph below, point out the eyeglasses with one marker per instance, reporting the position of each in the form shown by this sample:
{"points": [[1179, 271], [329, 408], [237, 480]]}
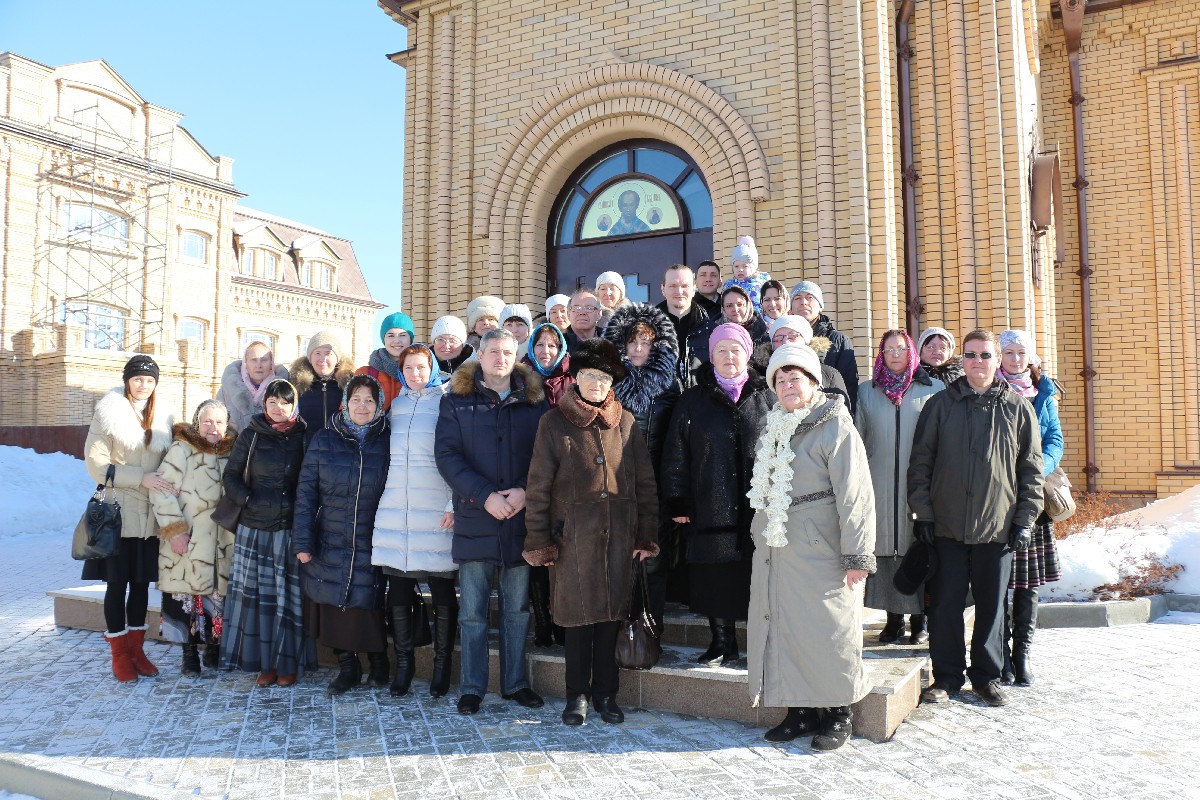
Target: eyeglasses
{"points": [[895, 351], [595, 377], [584, 309], [981, 356], [780, 338]]}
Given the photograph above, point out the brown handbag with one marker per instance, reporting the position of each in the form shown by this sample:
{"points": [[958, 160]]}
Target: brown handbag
{"points": [[1056, 494], [637, 641], [226, 513]]}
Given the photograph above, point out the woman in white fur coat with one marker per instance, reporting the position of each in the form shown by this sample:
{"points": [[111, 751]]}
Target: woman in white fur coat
{"points": [[128, 435]]}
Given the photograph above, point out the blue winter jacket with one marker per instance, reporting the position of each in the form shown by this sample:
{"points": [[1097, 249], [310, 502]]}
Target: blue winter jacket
{"points": [[340, 486], [484, 444], [1047, 416]]}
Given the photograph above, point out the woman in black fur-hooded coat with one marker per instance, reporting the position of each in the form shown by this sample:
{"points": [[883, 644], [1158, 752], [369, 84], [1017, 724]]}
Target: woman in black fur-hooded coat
{"points": [[645, 338]]}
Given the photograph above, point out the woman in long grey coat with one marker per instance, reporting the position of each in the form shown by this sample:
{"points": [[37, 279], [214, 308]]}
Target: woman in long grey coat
{"points": [[814, 537], [415, 523], [888, 407]]}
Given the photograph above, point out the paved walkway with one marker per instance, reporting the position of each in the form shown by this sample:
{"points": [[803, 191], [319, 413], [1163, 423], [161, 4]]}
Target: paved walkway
{"points": [[1115, 714]]}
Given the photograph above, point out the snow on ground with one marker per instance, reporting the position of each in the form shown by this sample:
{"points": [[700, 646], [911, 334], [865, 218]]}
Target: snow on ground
{"points": [[41, 492], [1168, 529]]}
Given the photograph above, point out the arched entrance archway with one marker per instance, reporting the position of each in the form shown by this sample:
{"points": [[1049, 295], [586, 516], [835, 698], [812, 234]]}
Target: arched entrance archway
{"points": [[634, 208]]}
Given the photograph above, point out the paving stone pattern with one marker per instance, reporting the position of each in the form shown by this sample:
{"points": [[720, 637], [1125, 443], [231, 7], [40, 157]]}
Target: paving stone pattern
{"points": [[1115, 714]]}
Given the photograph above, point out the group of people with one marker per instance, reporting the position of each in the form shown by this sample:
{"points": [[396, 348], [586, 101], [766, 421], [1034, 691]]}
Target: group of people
{"points": [[721, 438]]}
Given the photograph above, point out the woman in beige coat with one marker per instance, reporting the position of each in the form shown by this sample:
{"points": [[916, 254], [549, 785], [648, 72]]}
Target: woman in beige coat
{"points": [[127, 436], [814, 537], [194, 552]]}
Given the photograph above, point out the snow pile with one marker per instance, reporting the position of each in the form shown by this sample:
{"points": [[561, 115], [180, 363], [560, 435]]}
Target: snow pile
{"points": [[1168, 529], [41, 492]]}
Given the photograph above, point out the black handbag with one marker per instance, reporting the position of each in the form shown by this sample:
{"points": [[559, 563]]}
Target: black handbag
{"points": [[226, 513], [98, 534], [637, 641]]}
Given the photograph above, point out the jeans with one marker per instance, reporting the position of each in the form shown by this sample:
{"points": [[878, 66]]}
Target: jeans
{"points": [[983, 568], [475, 580]]}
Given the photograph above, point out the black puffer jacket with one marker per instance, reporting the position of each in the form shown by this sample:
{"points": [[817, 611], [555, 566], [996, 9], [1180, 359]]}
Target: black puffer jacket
{"points": [[319, 398], [274, 468], [698, 342], [707, 464], [947, 373], [336, 500], [650, 391], [839, 355]]}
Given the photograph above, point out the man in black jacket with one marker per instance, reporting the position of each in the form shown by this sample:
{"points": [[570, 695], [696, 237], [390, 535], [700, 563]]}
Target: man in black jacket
{"points": [[483, 445], [834, 348], [975, 490], [679, 291]]}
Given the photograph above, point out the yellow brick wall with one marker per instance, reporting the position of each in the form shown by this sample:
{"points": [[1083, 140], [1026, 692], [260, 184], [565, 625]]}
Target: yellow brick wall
{"points": [[1141, 86]]}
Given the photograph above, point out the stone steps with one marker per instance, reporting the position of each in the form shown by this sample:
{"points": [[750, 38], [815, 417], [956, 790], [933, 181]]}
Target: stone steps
{"points": [[677, 683]]}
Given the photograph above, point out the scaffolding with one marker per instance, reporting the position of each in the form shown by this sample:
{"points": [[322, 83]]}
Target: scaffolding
{"points": [[104, 201]]}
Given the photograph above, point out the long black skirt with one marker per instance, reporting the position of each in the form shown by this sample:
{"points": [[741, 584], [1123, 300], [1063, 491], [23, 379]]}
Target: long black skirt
{"points": [[136, 561], [721, 591]]}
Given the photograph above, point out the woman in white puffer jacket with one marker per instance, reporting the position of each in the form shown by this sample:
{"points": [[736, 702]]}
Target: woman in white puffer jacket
{"points": [[414, 524]]}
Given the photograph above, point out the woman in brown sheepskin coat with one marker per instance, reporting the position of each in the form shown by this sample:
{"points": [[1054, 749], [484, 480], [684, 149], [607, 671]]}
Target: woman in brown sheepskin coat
{"points": [[194, 552], [591, 508]]}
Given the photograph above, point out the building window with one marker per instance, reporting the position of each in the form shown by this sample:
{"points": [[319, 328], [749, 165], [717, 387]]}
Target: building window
{"points": [[327, 283], [269, 264], [193, 246], [306, 273], [104, 325], [302, 346], [257, 336], [97, 225], [248, 262], [193, 329]]}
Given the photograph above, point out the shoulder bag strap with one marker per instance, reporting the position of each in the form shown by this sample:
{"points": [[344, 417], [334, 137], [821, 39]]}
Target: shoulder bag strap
{"points": [[249, 455]]}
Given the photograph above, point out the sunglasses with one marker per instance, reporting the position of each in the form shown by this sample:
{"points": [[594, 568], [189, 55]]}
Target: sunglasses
{"points": [[980, 356]]}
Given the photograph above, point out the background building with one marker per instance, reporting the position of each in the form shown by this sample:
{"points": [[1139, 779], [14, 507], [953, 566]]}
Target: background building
{"points": [[914, 158], [122, 234]]}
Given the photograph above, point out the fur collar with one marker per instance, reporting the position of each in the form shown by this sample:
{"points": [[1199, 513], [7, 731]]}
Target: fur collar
{"points": [[302, 375], [233, 387], [526, 380], [641, 385], [182, 432], [820, 345], [823, 413], [581, 414], [116, 418], [625, 317]]}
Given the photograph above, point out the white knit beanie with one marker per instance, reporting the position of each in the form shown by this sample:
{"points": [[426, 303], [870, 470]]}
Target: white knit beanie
{"points": [[794, 355], [483, 306], [519, 310], [557, 300], [613, 279], [324, 339], [745, 251], [793, 322], [929, 333], [449, 325], [808, 287]]}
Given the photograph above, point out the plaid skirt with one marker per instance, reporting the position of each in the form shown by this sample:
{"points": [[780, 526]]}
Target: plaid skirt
{"points": [[263, 621], [1038, 564]]}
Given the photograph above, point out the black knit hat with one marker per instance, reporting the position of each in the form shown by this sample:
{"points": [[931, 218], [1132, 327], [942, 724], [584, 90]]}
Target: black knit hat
{"points": [[598, 354], [140, 365]]}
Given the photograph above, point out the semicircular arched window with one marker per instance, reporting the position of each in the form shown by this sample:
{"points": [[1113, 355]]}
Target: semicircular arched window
{"points": [[636, 188]]}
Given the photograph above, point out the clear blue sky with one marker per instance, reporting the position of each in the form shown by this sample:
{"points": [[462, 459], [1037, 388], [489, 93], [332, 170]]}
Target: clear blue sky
{"points": [[298, 93]]}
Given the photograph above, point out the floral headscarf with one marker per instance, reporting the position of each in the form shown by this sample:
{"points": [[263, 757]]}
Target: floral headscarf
{"points": [[893, 385]]}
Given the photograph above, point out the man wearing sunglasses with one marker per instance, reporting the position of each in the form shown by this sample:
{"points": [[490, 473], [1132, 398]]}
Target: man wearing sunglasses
{"points": [[975, 491]]}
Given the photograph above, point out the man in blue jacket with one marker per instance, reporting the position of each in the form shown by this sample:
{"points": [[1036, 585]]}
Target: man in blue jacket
{"points": [[483, 446]]}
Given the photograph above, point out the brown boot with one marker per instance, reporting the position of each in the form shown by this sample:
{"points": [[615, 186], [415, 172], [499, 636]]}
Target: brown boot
{"points": [[122, 665], [137, 637]]}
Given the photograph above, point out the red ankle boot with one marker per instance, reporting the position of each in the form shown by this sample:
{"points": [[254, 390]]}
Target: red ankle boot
{"points": [[137, 637], [122, 665]]}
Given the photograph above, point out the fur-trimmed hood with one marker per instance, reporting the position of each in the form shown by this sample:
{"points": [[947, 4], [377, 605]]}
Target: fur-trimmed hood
{"points": [[464, 381], [183, 432], [116, 417], [302, 375], [626, 317], [820, 345]]}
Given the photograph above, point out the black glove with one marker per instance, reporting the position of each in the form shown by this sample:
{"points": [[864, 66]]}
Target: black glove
{"points": [[923, 532], [1020, 537]]}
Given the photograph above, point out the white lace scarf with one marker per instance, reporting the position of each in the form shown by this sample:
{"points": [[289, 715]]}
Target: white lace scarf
{"points": [[771, 482]]}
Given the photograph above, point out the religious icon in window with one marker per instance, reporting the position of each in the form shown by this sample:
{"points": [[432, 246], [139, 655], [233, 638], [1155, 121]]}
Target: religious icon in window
{"points": [[627, 207]]}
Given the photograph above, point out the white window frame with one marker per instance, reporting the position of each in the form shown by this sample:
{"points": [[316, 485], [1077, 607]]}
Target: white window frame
{"points": [[100, 226], [192, 321], [105, 326], [256, 334], [247, 263], [270, 266], [188, 237]]}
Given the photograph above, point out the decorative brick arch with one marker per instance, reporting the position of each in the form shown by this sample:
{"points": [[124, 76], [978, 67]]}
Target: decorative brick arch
{"points": [[590, 111]]}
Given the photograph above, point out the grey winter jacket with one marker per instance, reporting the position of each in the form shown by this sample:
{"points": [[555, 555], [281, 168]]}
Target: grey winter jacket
{"points": [[976, 463]]}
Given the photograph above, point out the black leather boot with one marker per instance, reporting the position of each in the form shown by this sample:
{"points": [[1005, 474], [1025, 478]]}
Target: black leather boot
{"points": [[724, 647], [893, 629], [349, 675], [918, 631], [835, 729], [191, 661], [1006, 668], [212, 655], [377, 675], [402, 643], [445, 628], [798, 722], [1025, 607], [539, 600]]}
